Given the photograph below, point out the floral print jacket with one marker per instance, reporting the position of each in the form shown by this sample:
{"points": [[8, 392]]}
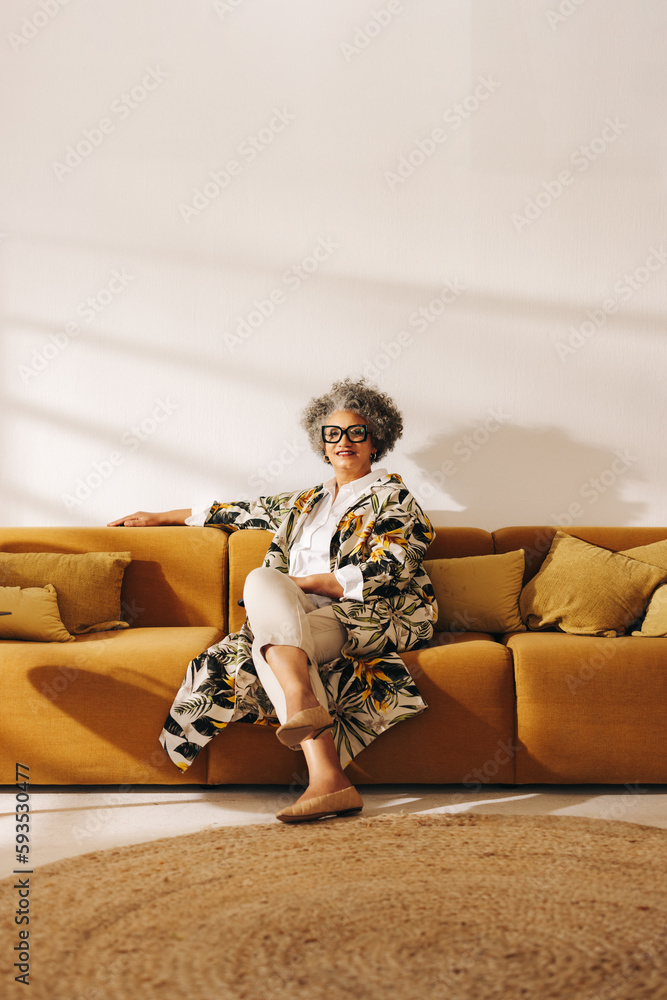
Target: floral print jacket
{"points": [[386, 534]]}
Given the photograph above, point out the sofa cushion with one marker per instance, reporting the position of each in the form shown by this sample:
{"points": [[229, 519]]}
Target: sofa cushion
{"points": [[32, 614], [590, 709], [178, 575], [88, 584], [536, 540], [467, 732], [479, 593], [587, 590], [453, 542], [92, 710], [654, 554], [655, 620], [654, 624]]}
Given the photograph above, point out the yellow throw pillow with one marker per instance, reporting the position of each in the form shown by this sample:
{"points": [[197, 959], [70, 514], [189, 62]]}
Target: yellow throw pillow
{"points": [[33, 615], [88, 584], [654, 625], [655, 622], [655, 554], [478, 593], [584, 589]]}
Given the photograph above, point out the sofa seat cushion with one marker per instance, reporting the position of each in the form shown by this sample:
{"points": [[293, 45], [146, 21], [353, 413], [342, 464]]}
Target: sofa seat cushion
{"points": [[466, 733], [466, 679], [589, 708], [92, 710]]}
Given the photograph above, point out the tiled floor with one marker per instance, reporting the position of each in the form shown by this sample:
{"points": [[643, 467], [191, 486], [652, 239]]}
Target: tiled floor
{"points": [[70, 821]]}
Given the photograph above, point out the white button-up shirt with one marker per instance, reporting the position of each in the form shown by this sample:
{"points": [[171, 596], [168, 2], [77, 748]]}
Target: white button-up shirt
{"points": [[309, 553]]}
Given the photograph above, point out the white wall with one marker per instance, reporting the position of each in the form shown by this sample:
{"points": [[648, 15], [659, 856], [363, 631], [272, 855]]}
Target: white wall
{"points": [[340, 102]]}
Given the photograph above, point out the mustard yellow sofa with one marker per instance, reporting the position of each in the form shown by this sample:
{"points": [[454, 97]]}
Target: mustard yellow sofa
{"points": [[512, 709]]}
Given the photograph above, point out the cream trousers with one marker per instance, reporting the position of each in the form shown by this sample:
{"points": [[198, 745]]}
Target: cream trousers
{"points": [[280, 613]]}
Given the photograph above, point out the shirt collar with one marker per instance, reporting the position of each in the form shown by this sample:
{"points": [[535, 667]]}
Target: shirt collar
{"points": [[357, 487]]}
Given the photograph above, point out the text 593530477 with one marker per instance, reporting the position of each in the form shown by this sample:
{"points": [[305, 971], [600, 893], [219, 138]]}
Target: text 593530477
{"points": [[22, 885]]}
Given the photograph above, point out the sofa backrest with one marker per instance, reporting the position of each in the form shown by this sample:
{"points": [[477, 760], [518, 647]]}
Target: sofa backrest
{"points": [[247, 550], [536, 540], [177, 577], [452, 543], [194, 576]]}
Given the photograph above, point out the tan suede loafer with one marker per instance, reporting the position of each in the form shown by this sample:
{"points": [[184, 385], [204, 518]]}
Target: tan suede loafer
{"points": [[342, 803], [311, 722]]}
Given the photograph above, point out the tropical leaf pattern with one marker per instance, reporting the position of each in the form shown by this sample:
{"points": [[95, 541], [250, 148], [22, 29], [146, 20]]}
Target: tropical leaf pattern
{"points": [[369, 688]]}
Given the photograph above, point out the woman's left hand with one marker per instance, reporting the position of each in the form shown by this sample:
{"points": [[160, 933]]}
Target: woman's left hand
{"points": [[319, 583]]}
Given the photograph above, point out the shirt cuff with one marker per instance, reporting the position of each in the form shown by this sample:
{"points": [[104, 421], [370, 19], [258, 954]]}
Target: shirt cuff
{"points": [[198, 518], [352, 581]]}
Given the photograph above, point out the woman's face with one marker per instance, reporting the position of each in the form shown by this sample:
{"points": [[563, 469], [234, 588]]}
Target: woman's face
{"points": [[352, 459]]}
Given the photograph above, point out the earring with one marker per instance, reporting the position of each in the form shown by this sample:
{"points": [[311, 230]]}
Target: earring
{"points": [[327, 460], [373, 456]]}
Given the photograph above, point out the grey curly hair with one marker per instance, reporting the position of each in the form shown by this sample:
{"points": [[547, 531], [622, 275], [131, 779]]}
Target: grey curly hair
{"points": [[384, 420]]}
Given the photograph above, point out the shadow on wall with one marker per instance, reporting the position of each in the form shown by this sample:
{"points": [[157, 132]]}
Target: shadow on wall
{"points": [[501, 475]]}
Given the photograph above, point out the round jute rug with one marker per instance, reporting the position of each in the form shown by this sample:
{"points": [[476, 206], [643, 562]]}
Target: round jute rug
{"points": [[463, 907]]}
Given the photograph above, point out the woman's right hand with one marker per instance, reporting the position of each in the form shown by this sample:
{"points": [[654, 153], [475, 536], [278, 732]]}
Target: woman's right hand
{"points": [[144, 519]]}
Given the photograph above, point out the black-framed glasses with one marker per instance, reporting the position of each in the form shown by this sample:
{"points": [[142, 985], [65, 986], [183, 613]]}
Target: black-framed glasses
{"points": [[355, 433]]}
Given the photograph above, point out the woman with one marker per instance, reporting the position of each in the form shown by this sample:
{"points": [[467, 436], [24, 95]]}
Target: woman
{"points": [[341, 593]]}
